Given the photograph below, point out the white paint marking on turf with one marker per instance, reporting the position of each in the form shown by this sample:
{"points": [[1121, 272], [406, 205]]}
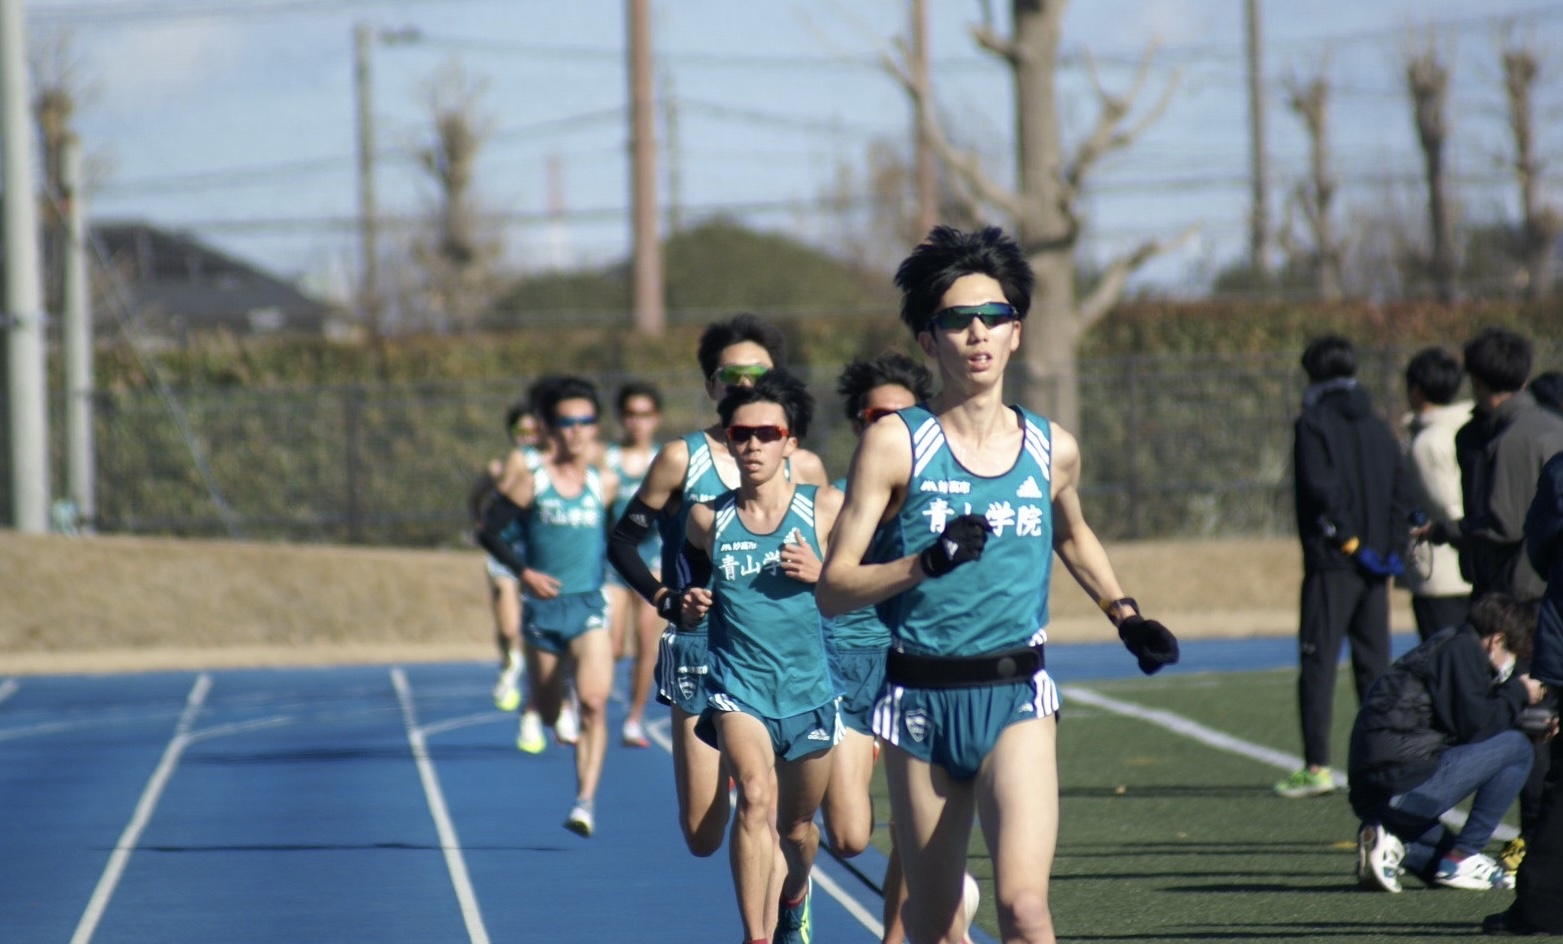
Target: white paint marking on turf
{"points": [[449, 841], [1189, 728], [8, 688], [143, 814]]}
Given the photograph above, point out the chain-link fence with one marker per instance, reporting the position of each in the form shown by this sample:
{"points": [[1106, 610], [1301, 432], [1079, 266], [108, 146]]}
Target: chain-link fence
{"points": [[1173, 446]]}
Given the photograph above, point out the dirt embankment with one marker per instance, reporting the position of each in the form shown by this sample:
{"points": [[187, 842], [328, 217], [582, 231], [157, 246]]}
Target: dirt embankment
{"points": [[123, 603]]}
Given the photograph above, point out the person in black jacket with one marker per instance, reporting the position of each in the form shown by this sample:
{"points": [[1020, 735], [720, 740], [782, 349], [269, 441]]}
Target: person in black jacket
{"points": [[1439, 726], [1353, 491]]}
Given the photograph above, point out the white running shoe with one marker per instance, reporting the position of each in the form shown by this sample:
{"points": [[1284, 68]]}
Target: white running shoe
{"points": [[1379, 853], [531, 738], [580, 819], [507, 689], [971, 897], [568, 728], [634, 734], [1475, 872]]}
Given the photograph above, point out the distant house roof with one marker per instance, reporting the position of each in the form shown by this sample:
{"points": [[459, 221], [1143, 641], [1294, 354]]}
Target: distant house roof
{"points": [[175, 285]]}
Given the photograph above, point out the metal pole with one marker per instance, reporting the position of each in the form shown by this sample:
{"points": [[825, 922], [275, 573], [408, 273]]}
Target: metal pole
{"points": [[927, 181], [369, 260], [76, 294], [1259, 214], [25, 318], [650, 305]]}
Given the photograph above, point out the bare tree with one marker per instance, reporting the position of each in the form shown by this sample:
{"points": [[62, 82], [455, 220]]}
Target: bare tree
{"points": [[58, 91], [1045, 204], [459, 255], [1314, 197], [1427, 81], [1541, 223]]}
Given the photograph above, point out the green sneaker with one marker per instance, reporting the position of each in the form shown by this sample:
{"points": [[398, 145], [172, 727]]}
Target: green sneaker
{"points": [[795, 924], [1305, 783]]}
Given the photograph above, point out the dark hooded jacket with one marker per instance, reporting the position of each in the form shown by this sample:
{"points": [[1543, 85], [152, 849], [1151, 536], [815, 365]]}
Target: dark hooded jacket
{"points": [[1351, 479], [1544, 544], [1438, 695]]}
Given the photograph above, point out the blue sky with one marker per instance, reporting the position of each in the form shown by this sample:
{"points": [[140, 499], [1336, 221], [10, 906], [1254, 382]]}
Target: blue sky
{"points": [[234, 118]]}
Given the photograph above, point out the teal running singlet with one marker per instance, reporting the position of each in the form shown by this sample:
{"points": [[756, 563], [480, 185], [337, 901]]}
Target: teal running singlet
{"points": [[650, 546], [566, 537], [995, 603], [863, 628], [767, 640], [701, 484]]}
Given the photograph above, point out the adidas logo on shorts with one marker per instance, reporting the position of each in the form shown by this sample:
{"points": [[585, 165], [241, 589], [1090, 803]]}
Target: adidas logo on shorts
{"points": [[819, 734]]}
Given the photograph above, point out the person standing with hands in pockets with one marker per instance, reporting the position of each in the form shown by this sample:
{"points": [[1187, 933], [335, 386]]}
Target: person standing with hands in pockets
{"points": [[977, 496]]}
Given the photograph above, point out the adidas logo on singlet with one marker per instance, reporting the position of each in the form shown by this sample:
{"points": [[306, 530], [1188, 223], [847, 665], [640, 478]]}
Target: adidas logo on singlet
{"points": [[1028, 488]]}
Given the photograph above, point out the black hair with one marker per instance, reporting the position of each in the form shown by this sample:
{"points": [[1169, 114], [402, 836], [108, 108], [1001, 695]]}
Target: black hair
{"points": [[637, 388], [721, 335], [860, 378], [1493, 613], [946, 255], [513, 415], [779, 386], [1329, 358], [1547, 388], [1499, 358], [1435, 372], [539, 390], [566, 388]]}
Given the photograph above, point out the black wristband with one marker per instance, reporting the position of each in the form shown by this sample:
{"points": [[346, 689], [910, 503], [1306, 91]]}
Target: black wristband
{"points": [[1110, 607]]}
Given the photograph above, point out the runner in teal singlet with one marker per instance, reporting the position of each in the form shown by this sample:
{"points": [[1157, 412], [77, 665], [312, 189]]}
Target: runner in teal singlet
{"points": [[632, 620], [694, 468], [771, 708], [563, 508], [978, 495]]}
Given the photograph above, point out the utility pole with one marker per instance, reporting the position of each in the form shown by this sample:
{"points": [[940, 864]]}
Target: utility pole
{"points": [[650, 306], [76, 303], [927, 181], [368, 224], [675, 158], [27, 377], [1259, 213]]}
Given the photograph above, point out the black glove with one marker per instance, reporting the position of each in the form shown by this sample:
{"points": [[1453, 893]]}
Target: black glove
{"points": [[670, 607], [1152, 643], [1444, 532], [962, 540]]}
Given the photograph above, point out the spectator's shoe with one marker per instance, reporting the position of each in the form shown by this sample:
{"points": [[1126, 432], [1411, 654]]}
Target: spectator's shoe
{"points": [[531, 738], [1513, 854], [1379, 853], [971, 897], [507, 689], [1475, 872], [795, 923], [580, 819], [1510, 924], [1305, 783], [634, 734]]}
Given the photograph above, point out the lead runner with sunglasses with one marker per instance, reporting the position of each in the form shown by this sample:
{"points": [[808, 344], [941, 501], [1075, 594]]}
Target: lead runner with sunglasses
{"points": [[695, 468], [976, 496]]}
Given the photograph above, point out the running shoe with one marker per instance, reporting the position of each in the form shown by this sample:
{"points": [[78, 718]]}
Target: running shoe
{"points": [[507, 689], [1306, 783], [568, 728], [971, 897], [1475, 872], [795, 923], [634, 734], [531, 738], [1379, 853], [580, 819], [1513, 854]]}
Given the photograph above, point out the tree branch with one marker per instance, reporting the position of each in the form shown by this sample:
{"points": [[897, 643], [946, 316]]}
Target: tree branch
{"points": [[989, 39], [1106, 293], [1108, 134]]}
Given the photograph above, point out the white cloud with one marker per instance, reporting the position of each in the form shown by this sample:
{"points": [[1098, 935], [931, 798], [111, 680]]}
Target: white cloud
{"points": [[152, 67]]}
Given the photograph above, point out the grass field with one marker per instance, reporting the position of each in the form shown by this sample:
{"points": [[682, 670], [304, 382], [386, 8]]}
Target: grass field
{"points": [[1167, 839]]}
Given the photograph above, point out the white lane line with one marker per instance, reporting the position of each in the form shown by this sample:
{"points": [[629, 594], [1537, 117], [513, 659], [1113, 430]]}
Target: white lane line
{"points": [[449, 842], [8, 688], [144, 808], [1189, 728], [660, 733], [466, 721]]}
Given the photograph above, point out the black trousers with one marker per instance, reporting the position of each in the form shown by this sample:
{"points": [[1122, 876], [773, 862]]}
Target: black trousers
{"points": [[1435, 613], [1337, 605], [1538, 894]]}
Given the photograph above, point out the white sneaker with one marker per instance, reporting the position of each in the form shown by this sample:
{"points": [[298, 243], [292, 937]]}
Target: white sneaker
{"points": [[1475, 872], [1379, 853], [580, 819], [531, 738], [568, 728], [971, 897], [507, 688], [634, 734]]}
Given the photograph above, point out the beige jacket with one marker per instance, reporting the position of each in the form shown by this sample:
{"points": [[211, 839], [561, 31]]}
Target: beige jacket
{"points": [[1434, 571]]}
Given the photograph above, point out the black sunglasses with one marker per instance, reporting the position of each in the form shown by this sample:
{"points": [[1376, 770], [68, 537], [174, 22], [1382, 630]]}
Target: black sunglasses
{"points": [[765, 434], [960, 317]]}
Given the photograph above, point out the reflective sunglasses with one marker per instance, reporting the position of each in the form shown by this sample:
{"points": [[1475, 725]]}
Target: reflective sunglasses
{"points": [[570, 422], [733, 374], [873, 414], [765, 434], [960, 317]]}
